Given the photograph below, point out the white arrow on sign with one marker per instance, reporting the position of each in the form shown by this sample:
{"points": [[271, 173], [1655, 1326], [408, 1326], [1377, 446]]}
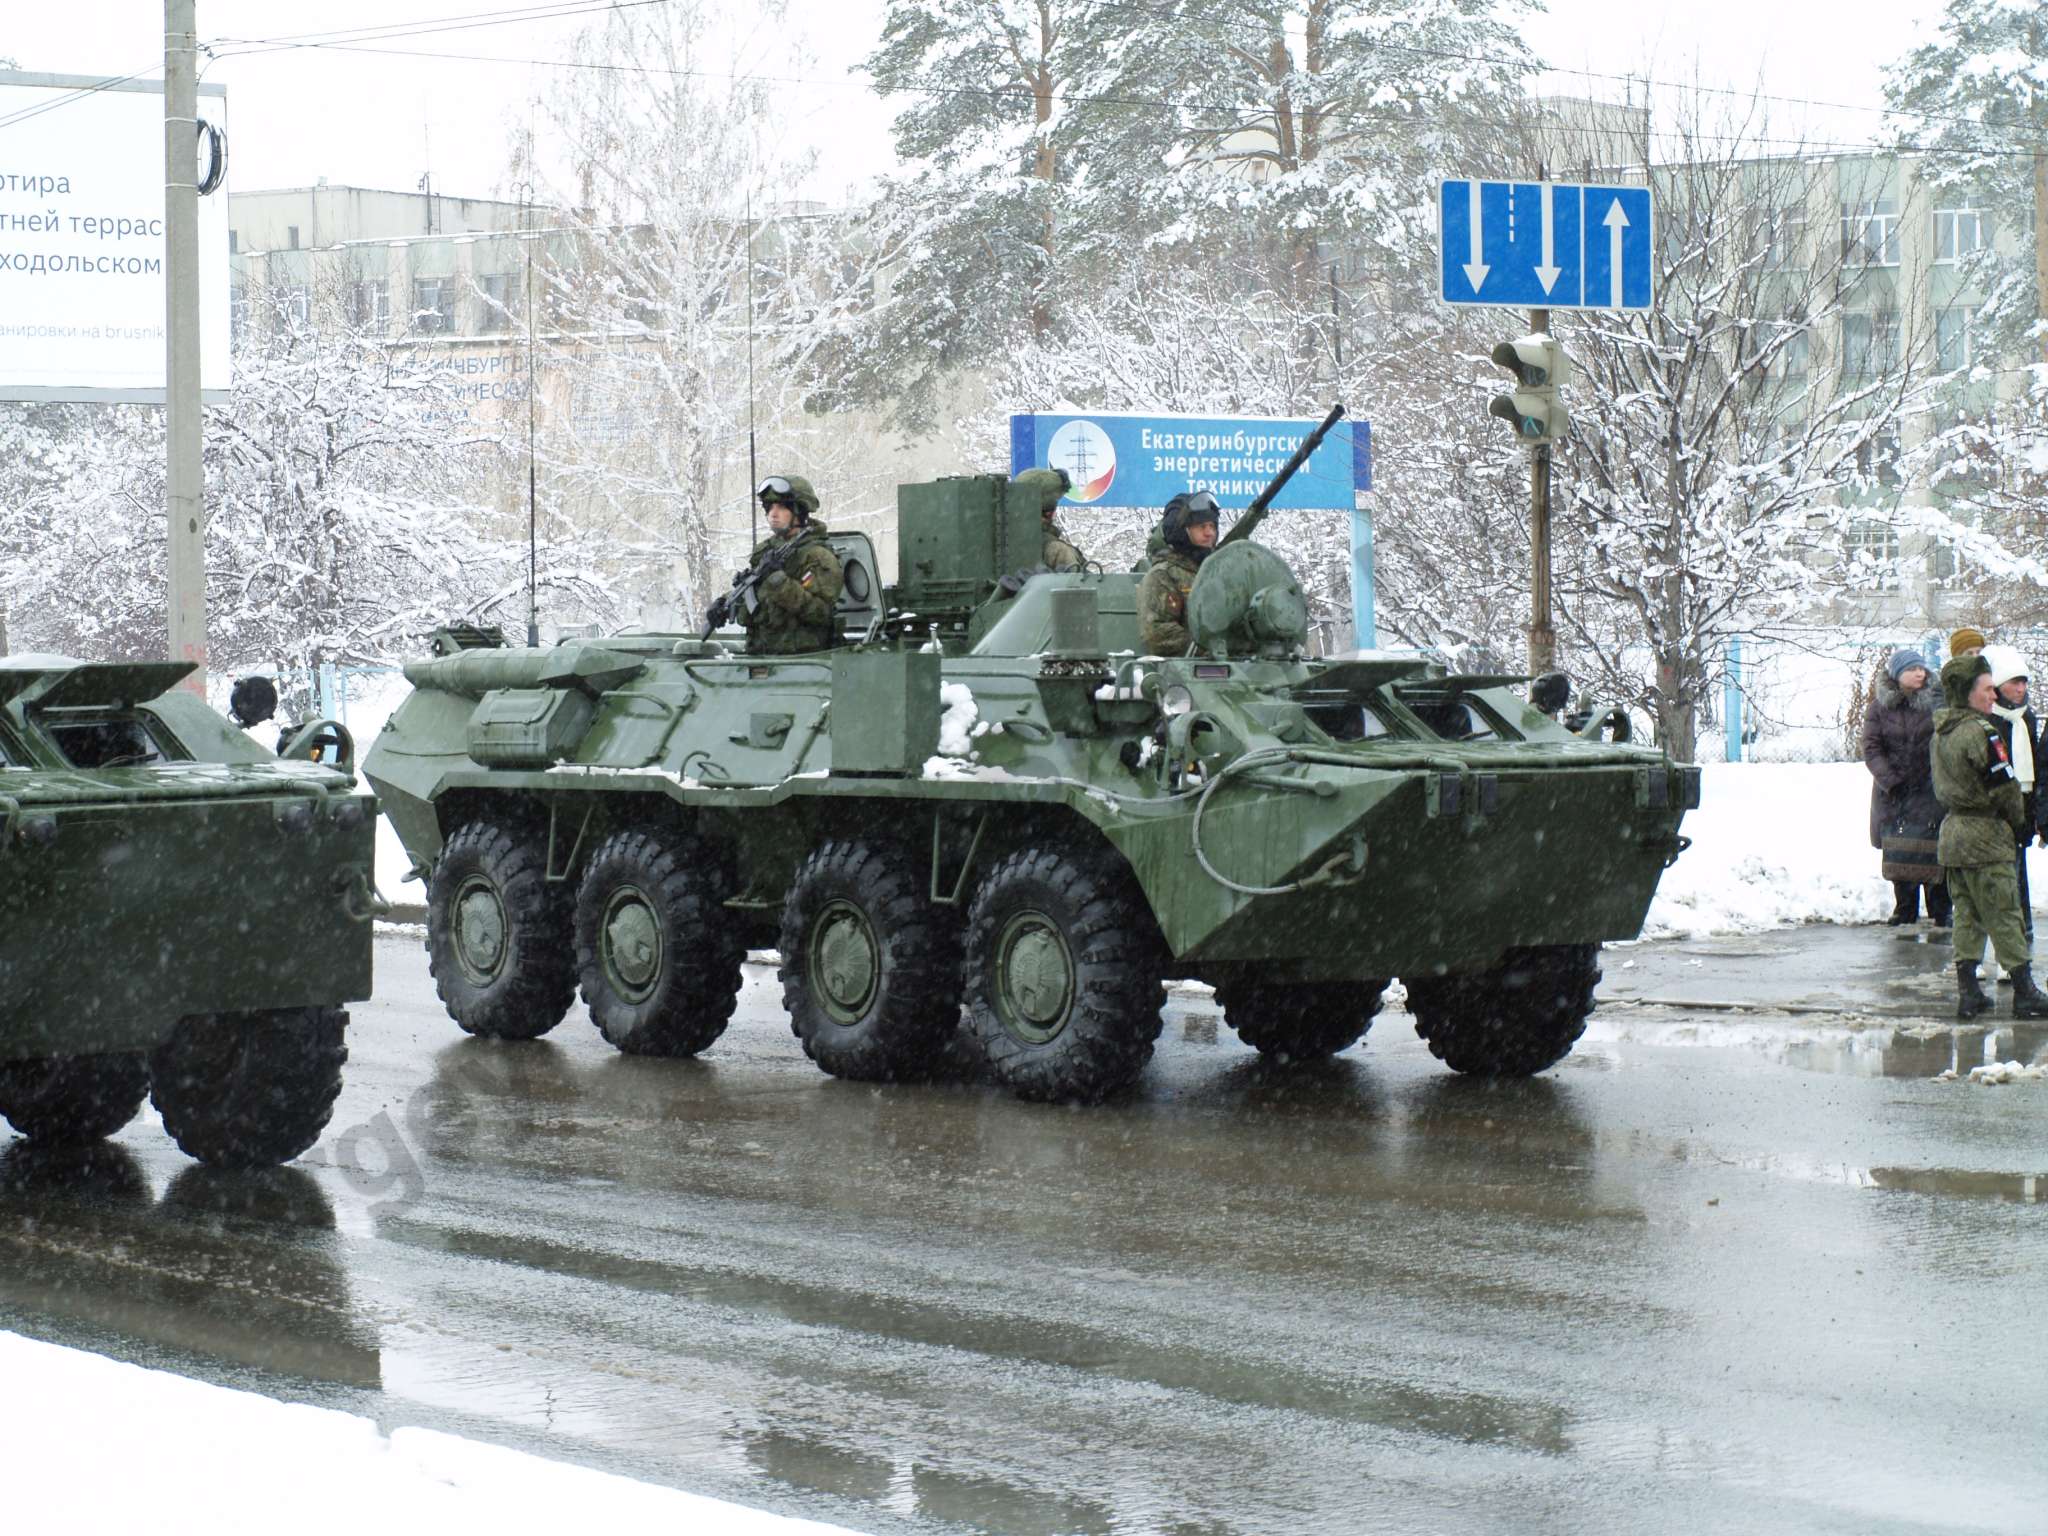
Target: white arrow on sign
{"points": [[1476, 269], [1616, 221], [1547, 273]]}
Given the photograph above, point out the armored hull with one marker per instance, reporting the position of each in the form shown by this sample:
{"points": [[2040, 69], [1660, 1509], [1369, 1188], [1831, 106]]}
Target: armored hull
{"points": [[180, 913], [1001, 806]]}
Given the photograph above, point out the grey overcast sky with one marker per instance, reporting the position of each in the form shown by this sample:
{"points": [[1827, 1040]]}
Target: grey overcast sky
{"points": [[383, 119]]}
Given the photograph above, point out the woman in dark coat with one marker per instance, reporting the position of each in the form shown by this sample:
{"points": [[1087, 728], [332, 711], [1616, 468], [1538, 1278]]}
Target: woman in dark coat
{"points": [[1898, 736]]}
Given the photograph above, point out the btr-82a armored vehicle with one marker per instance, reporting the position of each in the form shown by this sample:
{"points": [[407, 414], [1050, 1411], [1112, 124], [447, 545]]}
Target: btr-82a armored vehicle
{"points": [[987, 796], [181, 913]]}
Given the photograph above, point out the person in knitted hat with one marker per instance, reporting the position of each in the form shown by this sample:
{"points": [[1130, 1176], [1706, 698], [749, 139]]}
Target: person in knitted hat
{"points": [[2021, 733], [1965, 642], [1898, 729], [1973, 777]]}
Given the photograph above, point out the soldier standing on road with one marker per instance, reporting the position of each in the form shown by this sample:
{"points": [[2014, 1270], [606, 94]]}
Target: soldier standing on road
{"points": [[1974, 778], [1189, 526], [2021, 732], [1050, 485], [798, 597]]}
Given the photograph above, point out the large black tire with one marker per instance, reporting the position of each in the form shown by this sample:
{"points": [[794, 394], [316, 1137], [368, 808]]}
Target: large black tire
{"points": [[870, 967], [658, 955], [499, 943], [249, 1090], [1512, 1021], [1064, 968], [1292, 1021], [73, 1098]]}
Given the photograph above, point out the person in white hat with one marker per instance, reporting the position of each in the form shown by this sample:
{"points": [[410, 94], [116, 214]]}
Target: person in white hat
{"points": [[2022, 733]]}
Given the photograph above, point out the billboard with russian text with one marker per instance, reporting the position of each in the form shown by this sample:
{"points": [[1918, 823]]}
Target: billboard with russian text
{"points": [[82, 296], [1119, 460]]}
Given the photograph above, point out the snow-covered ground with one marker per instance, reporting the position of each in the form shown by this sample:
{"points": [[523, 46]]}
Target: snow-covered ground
{"points": [[94, 1445], [1772, 844]]}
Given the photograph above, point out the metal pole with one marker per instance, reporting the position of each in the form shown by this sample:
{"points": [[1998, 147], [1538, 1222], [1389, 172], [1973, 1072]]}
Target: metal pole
{"points": [[184, 472], [1542, 638]]}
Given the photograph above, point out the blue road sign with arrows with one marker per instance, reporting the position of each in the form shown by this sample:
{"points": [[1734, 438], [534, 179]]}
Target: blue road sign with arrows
{"points": [[1545, 245]]}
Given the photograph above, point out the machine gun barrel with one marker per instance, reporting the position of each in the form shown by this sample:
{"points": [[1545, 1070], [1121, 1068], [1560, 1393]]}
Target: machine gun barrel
{"points": [[1255, 514]]}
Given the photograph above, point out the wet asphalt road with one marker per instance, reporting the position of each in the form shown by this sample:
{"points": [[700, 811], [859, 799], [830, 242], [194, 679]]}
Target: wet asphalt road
{"points": [[1722, 1271]]}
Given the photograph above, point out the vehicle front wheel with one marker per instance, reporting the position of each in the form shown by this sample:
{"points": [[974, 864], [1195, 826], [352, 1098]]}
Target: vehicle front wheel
{"points": [[1064, 968], [73, 1098], [870, 967], [1299, 1020], [658, 955], [1514, 1020], [499, 943], [249, 1090]]}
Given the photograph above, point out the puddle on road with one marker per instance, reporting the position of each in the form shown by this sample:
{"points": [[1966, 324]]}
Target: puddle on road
{"points": [[1899, 1051], [1963, 1184]]}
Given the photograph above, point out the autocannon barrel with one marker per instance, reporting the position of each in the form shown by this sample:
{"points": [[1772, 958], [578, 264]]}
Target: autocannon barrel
{"points": [[1255, 514]]}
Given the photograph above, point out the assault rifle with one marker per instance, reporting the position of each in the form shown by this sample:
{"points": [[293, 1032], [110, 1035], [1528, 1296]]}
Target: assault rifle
{"points": [[745, 595], [1255, 514]]}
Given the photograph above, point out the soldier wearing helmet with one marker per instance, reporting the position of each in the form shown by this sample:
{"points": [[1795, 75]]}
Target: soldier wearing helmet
{"points": [[1049, 485], [799, 593], [1189, 529]]}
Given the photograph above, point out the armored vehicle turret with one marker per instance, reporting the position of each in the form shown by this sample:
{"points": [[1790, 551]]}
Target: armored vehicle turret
{"points": [[986, 810], [182, 914]]}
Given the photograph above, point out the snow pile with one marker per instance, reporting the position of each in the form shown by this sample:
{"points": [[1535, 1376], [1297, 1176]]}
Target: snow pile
{"points": [[202, 1459], [1999, 1072], [1772, 844], [956, 725]]}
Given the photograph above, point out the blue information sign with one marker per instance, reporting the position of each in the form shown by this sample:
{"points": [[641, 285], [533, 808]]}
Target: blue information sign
{"points": [[1141, 461], [1545, 245]]}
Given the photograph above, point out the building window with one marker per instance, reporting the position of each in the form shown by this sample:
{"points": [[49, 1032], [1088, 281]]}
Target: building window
{"points": [[501, 301], [1877, 463], [296, 305], [238, 309], [1959, 233], [1782, 236], [1874, 545], [234, 241], [1870, 345], [369, 305], [291, 237], [433, 304], [1952, 338], [1870, 232]]}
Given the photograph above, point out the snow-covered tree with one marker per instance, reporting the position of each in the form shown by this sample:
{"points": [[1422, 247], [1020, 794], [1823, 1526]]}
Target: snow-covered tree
{"points": [[344, 521], [680, 216], [1971, 105], [1735, 452]]}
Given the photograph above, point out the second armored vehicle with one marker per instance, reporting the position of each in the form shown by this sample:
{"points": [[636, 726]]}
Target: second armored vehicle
{"points": [[182, 914], [985, 798]]}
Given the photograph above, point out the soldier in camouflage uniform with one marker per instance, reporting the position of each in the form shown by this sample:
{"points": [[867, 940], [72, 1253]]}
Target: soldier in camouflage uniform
{"points": [[1973, 778], [797, 601], [1050, 485], [1189, 527]]}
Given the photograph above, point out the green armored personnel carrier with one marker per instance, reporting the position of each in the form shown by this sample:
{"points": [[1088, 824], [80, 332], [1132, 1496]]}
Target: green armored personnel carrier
{"points": [[986, 810], [181, 913]]}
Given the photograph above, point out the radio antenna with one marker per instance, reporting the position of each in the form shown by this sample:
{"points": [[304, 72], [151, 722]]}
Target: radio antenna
{"points": [[753, 468], [532, 478]]}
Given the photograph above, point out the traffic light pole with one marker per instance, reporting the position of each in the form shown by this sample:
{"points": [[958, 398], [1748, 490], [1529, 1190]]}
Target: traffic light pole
{"points": [[1542, 638], [184, 476]]}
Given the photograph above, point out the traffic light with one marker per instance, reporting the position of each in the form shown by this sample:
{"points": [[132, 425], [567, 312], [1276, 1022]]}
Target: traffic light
{"points": [[1540, 367]]}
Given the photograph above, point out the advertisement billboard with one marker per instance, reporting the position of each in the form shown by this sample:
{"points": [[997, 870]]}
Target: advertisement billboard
{"points": [[1118, 460], [82, 295]]}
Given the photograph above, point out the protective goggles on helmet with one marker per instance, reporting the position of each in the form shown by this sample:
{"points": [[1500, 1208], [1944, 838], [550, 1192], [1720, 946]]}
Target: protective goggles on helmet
{"points": [[775, 490], [1201, 507]]}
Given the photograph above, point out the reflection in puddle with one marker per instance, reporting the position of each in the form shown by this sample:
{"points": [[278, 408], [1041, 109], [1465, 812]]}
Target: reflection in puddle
{"points": [[814, 1465], [1916, 1050], [986, 1504], [1959, 1183]]}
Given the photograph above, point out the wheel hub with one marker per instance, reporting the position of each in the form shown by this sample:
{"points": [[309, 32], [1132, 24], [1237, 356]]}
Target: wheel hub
{"points": [[846, 961], [1036, 974], [480, 929], [632, 944]]}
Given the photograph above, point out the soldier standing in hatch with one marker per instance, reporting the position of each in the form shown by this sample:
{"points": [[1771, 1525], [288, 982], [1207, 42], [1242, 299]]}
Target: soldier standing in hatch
{"points": [[800, 594], [1189, 527], [1050, 485]]}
